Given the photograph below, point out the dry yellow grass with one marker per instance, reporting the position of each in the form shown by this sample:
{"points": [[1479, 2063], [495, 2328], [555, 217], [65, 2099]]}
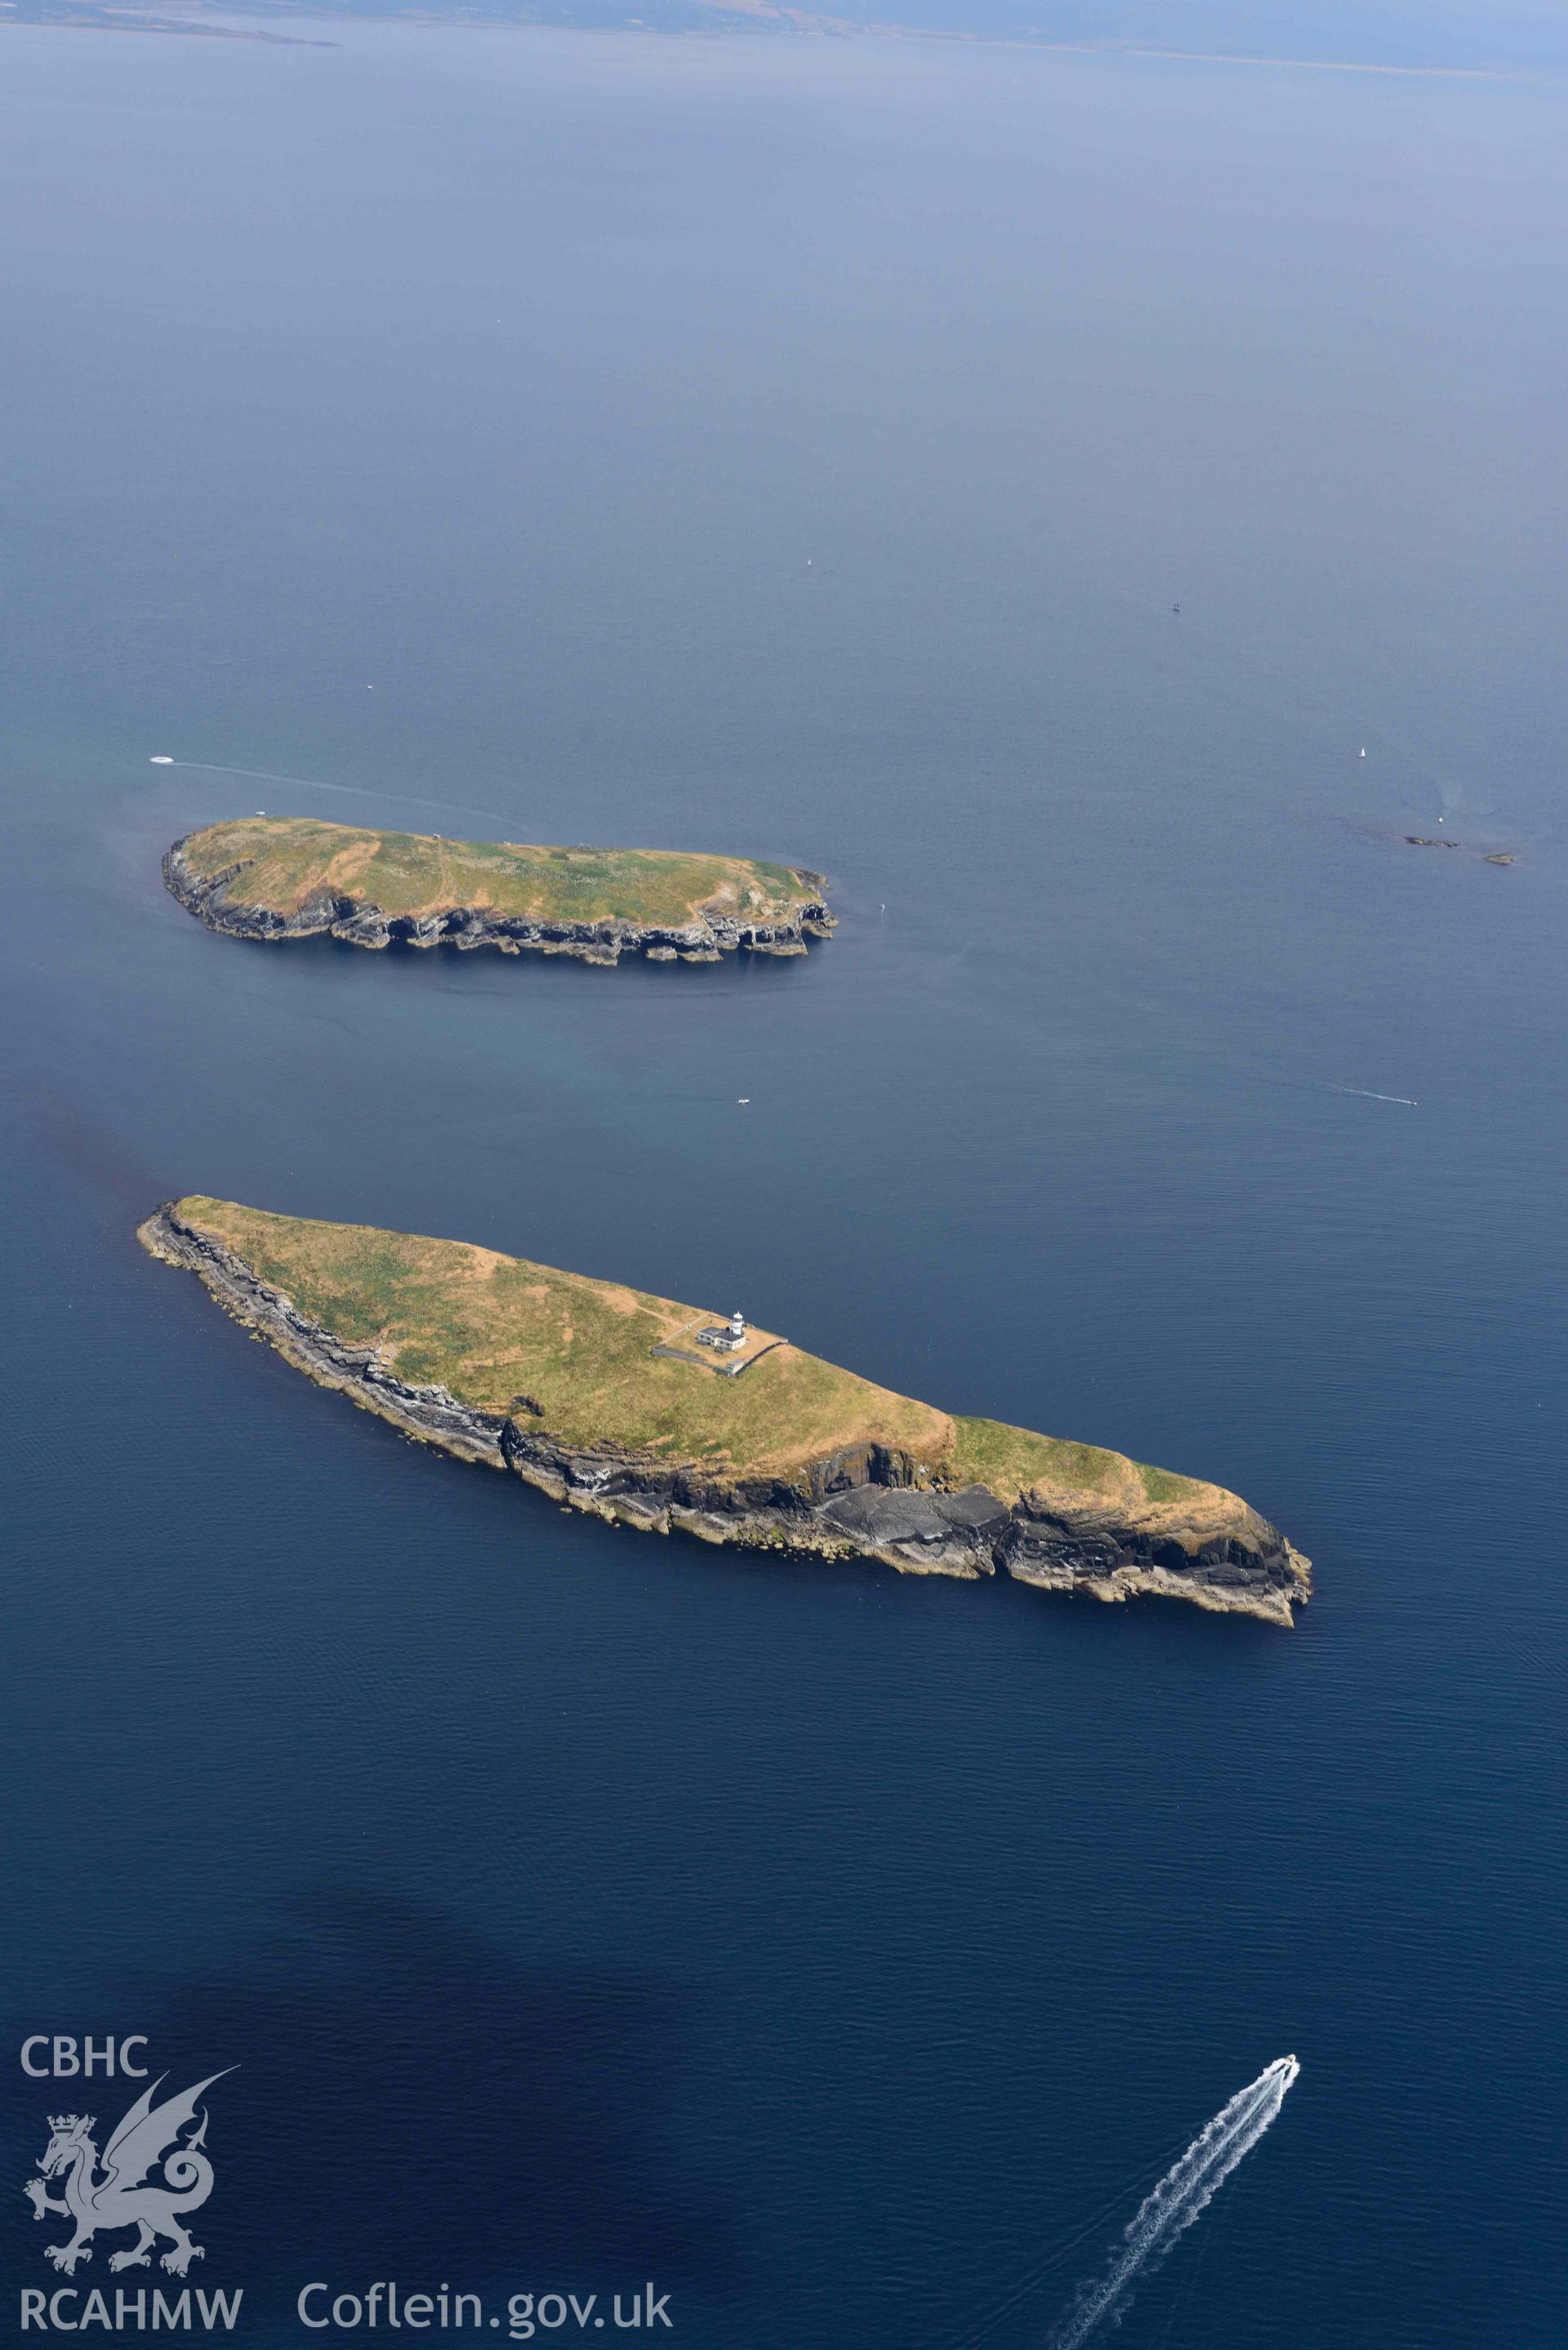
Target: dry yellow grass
{"points": [[489, 1328], [494, 1330], [289, 860]]}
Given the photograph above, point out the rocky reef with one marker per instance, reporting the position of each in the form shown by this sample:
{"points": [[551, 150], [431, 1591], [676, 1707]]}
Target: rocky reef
{"points": [[1183, 1539], [222, 896]]}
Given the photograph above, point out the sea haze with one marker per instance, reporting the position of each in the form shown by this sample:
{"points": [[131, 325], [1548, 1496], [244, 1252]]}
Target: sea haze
{"points": [[799, 450]]}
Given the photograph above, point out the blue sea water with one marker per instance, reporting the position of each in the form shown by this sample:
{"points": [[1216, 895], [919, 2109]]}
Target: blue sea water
{"points": [[799, 449]]}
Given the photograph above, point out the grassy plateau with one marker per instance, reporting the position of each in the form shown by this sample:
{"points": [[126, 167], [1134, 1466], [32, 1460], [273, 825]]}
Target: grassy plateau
{"points": [[286, 861], [493, 1329]]}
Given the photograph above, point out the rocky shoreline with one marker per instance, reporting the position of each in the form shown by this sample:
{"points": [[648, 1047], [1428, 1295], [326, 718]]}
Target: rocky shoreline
{"points": [[862, 1501], [707, 939]]}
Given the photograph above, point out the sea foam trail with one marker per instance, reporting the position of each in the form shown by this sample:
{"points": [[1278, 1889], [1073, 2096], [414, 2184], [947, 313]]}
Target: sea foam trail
{"points": [[1184, 2192], [344, 791]]}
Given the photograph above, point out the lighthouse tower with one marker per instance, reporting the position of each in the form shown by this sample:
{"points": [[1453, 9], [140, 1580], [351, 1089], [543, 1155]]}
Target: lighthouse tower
{"points": [[737, 1328]]}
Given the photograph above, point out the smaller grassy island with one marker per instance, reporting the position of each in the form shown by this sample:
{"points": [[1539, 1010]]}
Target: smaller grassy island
{"points": [[661, 1416], [275, 878]]}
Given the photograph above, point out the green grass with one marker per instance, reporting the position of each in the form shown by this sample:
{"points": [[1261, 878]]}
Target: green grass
{"points": [[489, 1328], [287, 860], [1165, 1485], [1010, 1460]]}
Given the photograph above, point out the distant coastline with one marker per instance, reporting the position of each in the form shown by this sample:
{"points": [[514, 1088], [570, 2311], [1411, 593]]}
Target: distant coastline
{"points": [[738, 19]]}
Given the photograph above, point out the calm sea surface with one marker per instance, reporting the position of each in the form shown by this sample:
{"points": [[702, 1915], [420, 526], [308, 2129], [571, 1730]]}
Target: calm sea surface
{"points": [[798, 449]]}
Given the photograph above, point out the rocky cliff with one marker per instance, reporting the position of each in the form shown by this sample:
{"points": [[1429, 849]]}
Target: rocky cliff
{"points": [[218, 896], [1200, 1544]]}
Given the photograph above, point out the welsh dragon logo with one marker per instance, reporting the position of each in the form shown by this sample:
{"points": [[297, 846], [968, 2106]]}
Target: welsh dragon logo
{"points": [[123, 2195]]}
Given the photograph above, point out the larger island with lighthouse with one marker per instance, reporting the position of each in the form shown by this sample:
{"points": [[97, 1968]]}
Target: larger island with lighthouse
{"points": [[659, 1416]]}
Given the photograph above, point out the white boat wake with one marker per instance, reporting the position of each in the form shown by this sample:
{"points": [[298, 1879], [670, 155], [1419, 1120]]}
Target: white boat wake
{"points": [[1185, 2190], [307, 782]]}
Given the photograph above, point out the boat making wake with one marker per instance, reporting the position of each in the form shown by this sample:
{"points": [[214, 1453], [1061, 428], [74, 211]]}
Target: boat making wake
{"points": [[1185, 2190]]}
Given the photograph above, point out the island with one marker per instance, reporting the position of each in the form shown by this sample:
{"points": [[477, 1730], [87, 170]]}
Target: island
{"points": [[276, 878], [661, 1416]]}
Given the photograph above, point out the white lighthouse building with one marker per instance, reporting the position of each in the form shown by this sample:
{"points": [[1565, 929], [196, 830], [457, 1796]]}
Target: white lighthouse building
{"points": [[725, 1338]]}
